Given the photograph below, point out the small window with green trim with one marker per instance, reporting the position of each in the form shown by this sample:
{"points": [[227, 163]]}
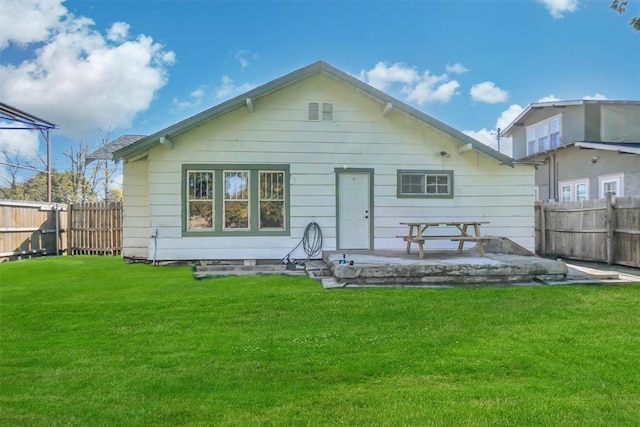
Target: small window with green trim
{"points": [[425, 183]]}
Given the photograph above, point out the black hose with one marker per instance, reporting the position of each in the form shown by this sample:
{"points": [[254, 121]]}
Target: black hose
{"points": [[311, 242]]}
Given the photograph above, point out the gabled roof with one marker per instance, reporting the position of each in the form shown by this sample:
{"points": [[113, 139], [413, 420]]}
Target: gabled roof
{"points": [[293, 77], [519, 121], [106, 151]]}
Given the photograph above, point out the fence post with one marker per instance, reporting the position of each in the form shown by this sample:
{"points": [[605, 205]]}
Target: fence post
{"points": [[611, 226], [543, 230]]}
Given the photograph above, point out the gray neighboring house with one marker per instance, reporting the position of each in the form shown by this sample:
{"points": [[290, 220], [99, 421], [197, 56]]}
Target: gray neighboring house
{"points": [[106, 151], [582, 149]]}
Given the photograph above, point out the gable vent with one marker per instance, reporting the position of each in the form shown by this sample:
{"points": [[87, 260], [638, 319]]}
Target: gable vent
{"points": [[314, 111], [315, 114], [327, 112]]}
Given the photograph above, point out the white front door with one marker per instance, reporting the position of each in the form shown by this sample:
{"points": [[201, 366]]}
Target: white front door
{"points": [[354, 210]]}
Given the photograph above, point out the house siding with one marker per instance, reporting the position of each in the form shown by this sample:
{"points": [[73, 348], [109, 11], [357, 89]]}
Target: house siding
{"points": [[605, 122], [135, 204], [278, 132], [573, 163]]}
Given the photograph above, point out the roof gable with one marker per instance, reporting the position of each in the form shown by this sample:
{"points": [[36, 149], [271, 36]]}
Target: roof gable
{"points": [[521, 119], [247, 98], [106, 151]]}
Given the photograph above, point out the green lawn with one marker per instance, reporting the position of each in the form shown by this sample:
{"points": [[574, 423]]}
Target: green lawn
{"points": [[93, 341]]}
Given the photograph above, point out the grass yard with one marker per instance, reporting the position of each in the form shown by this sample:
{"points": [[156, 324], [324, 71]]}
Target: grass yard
{"points": [[93, 341]]}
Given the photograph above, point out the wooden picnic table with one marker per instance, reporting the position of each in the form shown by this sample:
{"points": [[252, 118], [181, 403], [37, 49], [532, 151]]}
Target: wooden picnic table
{"points": [[417, 233]]}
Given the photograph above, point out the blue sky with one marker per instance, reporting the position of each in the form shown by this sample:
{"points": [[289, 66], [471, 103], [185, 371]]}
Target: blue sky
{"points": [[138, 66]]}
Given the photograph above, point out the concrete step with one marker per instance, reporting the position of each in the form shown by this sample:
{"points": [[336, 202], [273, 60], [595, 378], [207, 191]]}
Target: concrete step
{"points": [[203, 271]]}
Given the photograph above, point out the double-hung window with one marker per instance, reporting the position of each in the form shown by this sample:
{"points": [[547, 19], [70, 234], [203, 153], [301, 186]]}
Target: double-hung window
{"points": [[574, 191], [425, 183], [610, 184], [200, 202], [236, 199], [544, 135], [554, 125]]}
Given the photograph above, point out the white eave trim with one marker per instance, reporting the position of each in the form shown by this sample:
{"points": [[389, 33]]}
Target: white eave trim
{"points": [[620, 148]]}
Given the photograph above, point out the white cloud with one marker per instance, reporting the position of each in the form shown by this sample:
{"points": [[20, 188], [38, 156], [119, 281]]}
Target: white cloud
{"points": [[488, 92], [489, 136], [421, 89], [17, 146], [557, 8], [383, 75], [228, 89], [79, 78], [508, 115], [429, 90], [243, 57], [195, 99], [118, 32], [28, 21], [549, 98], [485, 136], [18, 143], [457, 68], [596, 97]]}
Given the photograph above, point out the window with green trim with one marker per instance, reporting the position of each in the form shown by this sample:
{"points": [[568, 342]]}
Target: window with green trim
{"points": [[272, 203], [425, 183], [200, 200], [238, 199]]}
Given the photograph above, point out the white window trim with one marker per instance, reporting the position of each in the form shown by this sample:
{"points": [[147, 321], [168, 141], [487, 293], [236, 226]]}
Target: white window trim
{"points": [[574, 185], [536, 193], [534, 128], [605, 179]]}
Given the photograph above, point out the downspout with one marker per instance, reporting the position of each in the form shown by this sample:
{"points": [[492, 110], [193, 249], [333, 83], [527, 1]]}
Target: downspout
{"points": [[555, 178], [549, 178]]}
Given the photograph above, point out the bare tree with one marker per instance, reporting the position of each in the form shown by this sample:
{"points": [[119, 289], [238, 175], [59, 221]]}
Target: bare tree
{"points": [[82, 190], [91, 179], [11, 187], [104, 170]]}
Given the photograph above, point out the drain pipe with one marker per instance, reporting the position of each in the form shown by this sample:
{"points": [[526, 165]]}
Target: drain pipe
{"points": [[154, 235]]}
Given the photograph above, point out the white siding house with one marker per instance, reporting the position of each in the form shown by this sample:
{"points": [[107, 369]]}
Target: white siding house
{"points": [[243, 179]]}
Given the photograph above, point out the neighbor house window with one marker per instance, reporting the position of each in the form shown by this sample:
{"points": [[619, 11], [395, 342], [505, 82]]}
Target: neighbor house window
{"points": [[554, 124], [544, 135], [421, 183], [247, 199], [573, 191], [610, 184]]}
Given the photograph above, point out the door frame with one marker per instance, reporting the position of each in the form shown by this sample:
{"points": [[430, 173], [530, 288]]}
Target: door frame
{"points": [[346, 170]]}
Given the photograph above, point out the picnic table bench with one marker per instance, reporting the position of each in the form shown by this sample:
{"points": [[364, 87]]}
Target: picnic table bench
{"points": [[417, 233]]}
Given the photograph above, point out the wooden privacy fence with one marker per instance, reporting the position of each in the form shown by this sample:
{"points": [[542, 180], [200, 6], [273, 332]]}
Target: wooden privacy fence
{"points": [[95, 229], [38, 228], [32, 228], [590, 230]]}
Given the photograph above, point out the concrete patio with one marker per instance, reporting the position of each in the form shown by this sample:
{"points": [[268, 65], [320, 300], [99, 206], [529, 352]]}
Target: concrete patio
{"points": [[503, 264], [441, 268]]}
